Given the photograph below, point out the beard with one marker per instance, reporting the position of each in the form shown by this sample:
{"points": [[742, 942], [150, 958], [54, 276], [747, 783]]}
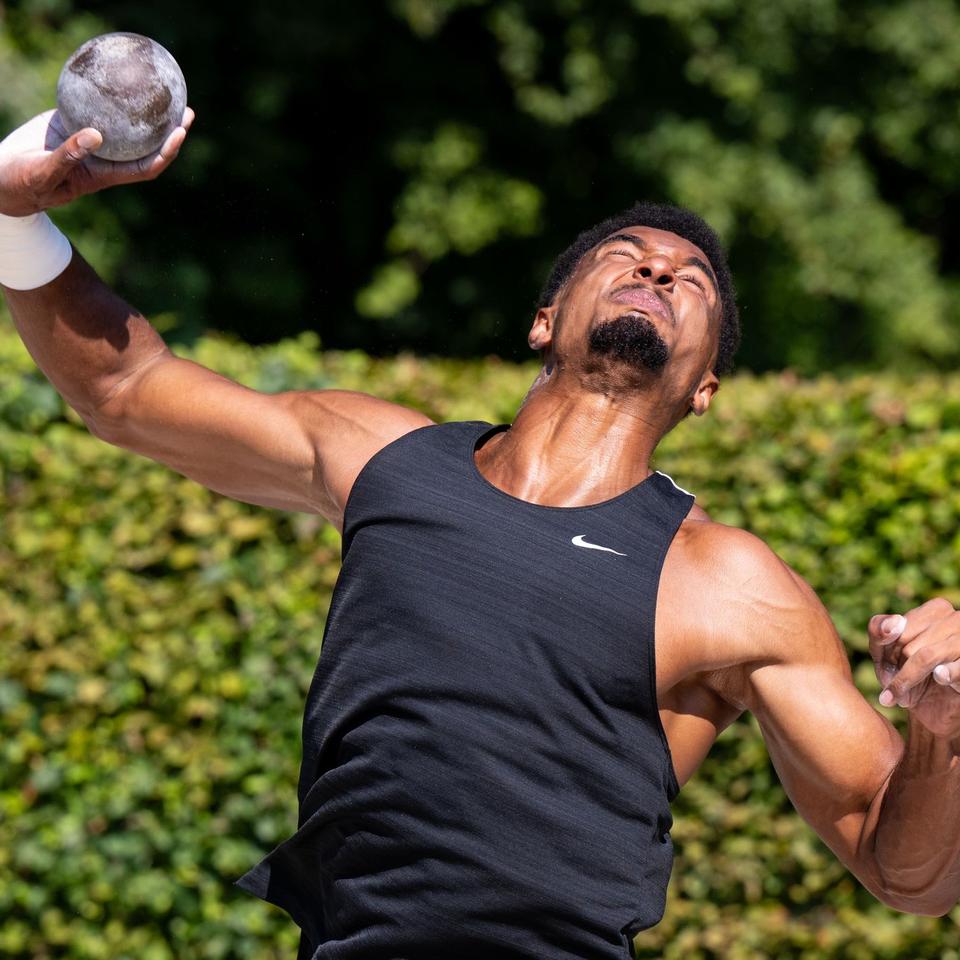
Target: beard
{"points": [[631, 339]]}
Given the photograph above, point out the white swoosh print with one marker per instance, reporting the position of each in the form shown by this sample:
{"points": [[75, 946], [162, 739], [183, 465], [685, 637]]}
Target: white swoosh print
{"points": [[578, 541]]}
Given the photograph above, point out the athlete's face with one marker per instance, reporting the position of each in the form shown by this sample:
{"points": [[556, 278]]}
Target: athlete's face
{"points": [[641, 306]]}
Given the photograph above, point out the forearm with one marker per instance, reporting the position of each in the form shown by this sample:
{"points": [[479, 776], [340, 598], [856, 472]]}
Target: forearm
{"points": [[83, 336], [915, 843]]}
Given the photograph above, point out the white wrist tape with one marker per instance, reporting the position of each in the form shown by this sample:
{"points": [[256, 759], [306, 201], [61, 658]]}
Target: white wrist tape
{"points": [[32, 251]]}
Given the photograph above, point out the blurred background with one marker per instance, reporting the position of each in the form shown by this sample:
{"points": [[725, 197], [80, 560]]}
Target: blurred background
{"points": [[400, 175], [371, 198]]}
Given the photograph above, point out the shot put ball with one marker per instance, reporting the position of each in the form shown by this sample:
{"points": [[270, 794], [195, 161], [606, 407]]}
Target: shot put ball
{"points": [[126, 86]]}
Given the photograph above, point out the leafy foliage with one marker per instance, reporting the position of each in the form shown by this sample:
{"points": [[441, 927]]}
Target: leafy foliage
{"points": [[156, 643], [462, 144]]}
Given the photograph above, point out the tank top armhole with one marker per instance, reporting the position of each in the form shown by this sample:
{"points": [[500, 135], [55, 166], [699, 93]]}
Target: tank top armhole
{"points": [[673, 784], [368, 467], [372, 462]]}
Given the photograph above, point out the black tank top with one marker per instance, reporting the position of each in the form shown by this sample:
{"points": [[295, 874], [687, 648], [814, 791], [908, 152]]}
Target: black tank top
{"points": [[484, 770]]}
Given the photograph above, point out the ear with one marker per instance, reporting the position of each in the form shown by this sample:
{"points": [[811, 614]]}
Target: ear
{"points": [[708, 386], [541, 333]]}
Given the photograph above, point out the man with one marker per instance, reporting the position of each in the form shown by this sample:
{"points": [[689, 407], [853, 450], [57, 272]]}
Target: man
{"points": [[535, 639]]}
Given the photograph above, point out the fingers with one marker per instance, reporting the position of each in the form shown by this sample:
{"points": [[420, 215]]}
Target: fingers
{"points": [[947, 673], [884, 631], [919, 666], [933, 653], [171, 146], [156, 164], [895, 630], [886, 627], [113, 173], [934, 609], [159, 162], [61, 163], [931, 612], [43, 167], [908, 650]]}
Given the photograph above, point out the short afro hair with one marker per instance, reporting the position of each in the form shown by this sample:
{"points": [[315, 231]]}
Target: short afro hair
{"points": [[684, 223]]}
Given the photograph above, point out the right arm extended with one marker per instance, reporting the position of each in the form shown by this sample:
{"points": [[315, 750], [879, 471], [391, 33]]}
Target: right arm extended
{"points": [[298, 450]]}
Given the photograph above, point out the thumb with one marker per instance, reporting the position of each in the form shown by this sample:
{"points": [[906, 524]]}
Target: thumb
{"points": [[884, 628], [69, 155]]}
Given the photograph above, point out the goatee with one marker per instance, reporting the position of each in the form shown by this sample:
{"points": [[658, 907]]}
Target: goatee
{"points": [[631, 338]]}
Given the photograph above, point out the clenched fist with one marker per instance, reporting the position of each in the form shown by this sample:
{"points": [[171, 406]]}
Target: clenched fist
{"points": [[917, 660]]}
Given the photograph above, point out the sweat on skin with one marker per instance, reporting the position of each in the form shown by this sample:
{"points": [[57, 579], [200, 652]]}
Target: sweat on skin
{"points": [[736, 629]]}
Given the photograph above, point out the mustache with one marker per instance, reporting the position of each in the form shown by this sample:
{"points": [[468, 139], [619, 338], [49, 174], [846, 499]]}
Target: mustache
{"points": [[667, 305]]}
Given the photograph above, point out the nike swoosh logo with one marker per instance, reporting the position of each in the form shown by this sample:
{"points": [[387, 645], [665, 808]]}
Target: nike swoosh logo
{"points": [[578, 541]]}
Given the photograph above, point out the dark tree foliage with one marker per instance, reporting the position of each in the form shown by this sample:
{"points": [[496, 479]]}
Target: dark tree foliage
{"points": [[401, 176]]}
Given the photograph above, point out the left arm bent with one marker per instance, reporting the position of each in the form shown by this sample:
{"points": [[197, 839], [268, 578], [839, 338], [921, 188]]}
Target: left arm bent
{"points": [[890, 811]]}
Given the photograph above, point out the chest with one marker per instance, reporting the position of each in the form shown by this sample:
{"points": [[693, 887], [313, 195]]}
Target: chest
{"points": [[526, 602]]}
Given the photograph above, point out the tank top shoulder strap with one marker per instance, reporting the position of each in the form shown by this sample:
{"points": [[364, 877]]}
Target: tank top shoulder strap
{"points": [[427, 453], [664, 489]]}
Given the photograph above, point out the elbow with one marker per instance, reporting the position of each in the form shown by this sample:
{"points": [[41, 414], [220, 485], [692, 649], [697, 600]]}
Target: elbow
{"points": [[108, 418], [904, 891], [927, 904], [109, 429], [919, 908]]}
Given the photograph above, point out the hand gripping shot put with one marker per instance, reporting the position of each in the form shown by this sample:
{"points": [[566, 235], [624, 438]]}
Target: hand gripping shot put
{"points": [[126, 86], [535, 637]]}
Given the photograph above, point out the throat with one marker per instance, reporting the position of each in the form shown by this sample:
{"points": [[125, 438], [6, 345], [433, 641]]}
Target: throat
{"points": [[554, 458]]}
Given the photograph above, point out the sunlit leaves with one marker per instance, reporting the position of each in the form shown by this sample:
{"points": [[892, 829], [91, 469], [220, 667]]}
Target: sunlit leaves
{"points": [[452, 203], [157, 640]]}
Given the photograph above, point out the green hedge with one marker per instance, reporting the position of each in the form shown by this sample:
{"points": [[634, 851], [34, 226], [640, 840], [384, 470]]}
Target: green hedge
{"points": [[157, 640]]}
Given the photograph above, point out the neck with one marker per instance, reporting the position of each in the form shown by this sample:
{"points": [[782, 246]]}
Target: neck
{"points": [[570, 447]]}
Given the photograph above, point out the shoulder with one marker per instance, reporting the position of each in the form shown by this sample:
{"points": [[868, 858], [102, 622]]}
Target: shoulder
{"points": [[756, 606], [734, 556], [346, 430]]}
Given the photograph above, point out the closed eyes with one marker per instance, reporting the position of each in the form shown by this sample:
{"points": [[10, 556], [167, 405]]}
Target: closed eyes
{"points": [[619, 251]]}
